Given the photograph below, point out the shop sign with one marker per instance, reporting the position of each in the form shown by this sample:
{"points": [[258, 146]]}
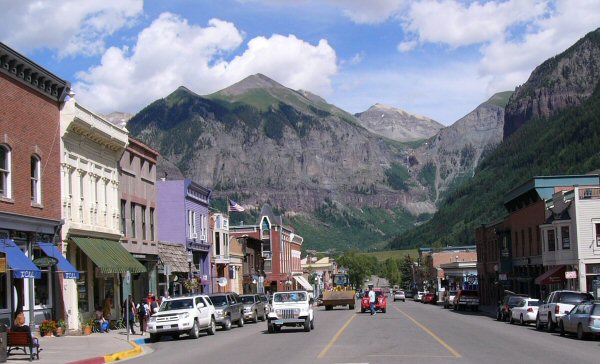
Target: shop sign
{"points": [[3, 265], [45, 262], [571, 274]]}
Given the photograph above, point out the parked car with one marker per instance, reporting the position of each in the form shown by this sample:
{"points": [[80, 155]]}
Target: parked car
{"points": [[508, 302], [228, 309], [582, 320], [418, 296], [399, 295], [183, 315], [380, 301], [409, 294], [556, 306], [292, 308], [449, 299], [429, 298], [263, 297], [466, 298], [525, 311], [254, 308]]}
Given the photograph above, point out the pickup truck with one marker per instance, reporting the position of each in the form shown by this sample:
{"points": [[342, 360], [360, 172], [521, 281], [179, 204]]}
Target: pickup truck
{"points": [[228, 309], [556, 305], [466, 298]]}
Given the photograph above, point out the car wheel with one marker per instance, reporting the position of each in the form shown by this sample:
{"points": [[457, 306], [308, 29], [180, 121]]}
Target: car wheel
{"points": [[550, 325], [312, 324], [561, 328], [212, 328], [277, 328], [154, 338], [538, 323], [362, 310], [307, 325], [580, 334], [194, 331], [264, 316], [255, 316], [511, 320], [270, 328], [521, 321], [351, 307], [404, 300], [227, 324], [175, 336], [241, 320], [328, 308], [383, 310], [498, 316]]}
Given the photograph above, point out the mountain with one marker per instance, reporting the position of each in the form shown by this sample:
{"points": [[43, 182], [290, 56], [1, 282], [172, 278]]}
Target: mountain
{"points": [[264, 143], [563, 81], [118, 118], [451, 157], [566, 141], [397, 124]]}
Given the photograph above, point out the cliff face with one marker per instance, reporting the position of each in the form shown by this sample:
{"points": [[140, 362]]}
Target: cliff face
{"points": [[456, 150], [563, 81], [398, 124]]}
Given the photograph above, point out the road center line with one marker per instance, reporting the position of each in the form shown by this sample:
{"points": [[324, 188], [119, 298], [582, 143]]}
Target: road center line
{"points": [[335, 337], [437, 338]]}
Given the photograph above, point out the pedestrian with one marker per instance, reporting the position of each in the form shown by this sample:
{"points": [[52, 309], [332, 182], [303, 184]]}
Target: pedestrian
{"points": [[129, 312], [143, 311], [107, 307], [372, 301], [153, 306]]}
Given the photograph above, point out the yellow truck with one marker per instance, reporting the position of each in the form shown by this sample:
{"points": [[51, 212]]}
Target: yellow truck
{"points": [[341, 295]]}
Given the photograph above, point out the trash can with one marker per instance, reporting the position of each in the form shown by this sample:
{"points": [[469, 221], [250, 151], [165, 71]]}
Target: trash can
{"points": [[3, 343]]}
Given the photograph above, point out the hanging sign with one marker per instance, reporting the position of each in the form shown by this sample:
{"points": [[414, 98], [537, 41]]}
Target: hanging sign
{"points": [[45, 262], [3, 265], [571, 274]]}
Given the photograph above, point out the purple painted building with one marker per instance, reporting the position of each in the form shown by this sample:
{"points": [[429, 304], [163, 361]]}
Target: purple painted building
{"points": [[183, 219]]}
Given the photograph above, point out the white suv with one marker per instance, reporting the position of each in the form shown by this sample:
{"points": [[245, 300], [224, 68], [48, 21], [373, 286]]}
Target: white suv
{"points": [[293, 308], [183, 315]]}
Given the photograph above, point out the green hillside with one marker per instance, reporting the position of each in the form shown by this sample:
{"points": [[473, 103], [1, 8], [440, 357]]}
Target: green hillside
{"points": [[568, 143]]}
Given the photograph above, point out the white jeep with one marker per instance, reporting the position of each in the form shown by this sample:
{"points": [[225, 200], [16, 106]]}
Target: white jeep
{"points": [[183, 315], [291, 308]]}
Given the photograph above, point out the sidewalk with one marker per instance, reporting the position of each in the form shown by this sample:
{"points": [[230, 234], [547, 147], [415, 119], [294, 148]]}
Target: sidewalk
{"points": [[94, 348]]}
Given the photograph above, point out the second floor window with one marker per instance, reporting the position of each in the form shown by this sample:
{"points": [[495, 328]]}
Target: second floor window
{"points": [[36, 184], [144, 222], [5, 190], [551, 241], [192, 233], [123, 224], [132, 220], [566, 239], [151, 223]]}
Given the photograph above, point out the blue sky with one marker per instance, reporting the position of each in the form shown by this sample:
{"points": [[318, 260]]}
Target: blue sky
{"points": [[438, 58]]}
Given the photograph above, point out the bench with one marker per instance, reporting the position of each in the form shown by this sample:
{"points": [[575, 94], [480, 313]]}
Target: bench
{"points": [[22, 341]]}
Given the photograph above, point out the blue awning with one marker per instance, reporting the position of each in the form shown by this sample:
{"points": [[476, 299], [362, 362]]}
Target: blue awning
{"points": [[18, 262], [69, 272]]}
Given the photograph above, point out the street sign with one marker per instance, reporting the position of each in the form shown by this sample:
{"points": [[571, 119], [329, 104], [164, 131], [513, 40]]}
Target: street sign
{"points": [[571, 274]]}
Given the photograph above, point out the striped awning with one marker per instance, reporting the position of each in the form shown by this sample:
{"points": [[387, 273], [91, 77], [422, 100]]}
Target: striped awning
{"points": [[109, 255]]}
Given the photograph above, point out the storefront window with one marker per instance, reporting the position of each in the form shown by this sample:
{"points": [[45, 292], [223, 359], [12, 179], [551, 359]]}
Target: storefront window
{"points": [[41, 286], [82, 293]]}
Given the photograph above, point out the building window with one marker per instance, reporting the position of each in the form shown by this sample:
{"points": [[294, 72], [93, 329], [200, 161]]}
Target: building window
{"points": [[5, 186], [144, 222], [522, 243], [151, 223], [132, 210], [530, 242], [597, 234], [192, 233], [516, 244], [36, 183], [551, 241], [42, 287], [217, 243], [123, 224], [566, 240]]}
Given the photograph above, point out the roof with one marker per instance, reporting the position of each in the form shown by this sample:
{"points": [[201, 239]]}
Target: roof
{"points": [[544, 185], [267, 211], [175, 255]]}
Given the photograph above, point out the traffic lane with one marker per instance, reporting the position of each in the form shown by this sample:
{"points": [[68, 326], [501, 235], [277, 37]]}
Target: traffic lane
{"points": [[389, 337], [480, 338], [252, 343]]}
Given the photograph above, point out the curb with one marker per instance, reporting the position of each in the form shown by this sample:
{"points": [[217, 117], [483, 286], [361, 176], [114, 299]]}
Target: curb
{"points": [[122, 355]]}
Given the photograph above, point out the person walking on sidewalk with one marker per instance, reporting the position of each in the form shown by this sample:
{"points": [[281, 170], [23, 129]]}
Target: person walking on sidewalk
{"points": [[129, 310], [143, 311], [372, 298]]}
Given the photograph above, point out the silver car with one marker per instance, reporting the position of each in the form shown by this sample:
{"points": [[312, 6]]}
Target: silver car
{"points": [[583, 320], [254, 307], [399, 295]]}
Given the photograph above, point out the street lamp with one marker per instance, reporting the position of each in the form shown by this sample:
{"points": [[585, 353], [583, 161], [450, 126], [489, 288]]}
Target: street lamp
{"points": [[190, 259]]}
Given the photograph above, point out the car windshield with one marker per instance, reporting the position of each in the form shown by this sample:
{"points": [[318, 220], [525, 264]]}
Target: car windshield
{"points": [[533, 303], [574, 297], [182, 304], [247, 299], [289, 297], [219, 301]]}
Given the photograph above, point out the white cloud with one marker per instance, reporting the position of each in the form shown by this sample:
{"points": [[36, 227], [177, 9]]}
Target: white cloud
{"points": [[458, 24], [408, 45], [171, 52], [370, 12], [69, 26]]}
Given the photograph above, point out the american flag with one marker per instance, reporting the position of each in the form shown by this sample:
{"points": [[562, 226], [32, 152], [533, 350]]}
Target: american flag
{"points": [[233, 206]]}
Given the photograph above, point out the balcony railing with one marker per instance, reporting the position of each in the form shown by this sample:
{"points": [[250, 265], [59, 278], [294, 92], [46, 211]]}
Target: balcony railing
{"points": [[589, 193], [222, 259]]}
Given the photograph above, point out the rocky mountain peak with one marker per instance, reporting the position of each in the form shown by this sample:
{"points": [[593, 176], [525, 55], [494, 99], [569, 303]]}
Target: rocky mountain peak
{"points": [[256, 81]]}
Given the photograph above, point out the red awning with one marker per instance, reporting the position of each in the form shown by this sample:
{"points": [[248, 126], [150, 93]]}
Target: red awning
{"points": [[553, 275]]}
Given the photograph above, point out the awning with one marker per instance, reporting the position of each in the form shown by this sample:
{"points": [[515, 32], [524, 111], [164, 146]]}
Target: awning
{"points": [[303, 282], [553, 275], [175, 257], [20, 264], [69, 272], [109, 255]]}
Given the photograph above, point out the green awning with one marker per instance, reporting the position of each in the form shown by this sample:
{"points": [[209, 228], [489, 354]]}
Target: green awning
{"points": [[109, 255]]}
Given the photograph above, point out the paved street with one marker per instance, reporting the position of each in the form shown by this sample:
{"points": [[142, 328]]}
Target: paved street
{"points": [[408, 333]]}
